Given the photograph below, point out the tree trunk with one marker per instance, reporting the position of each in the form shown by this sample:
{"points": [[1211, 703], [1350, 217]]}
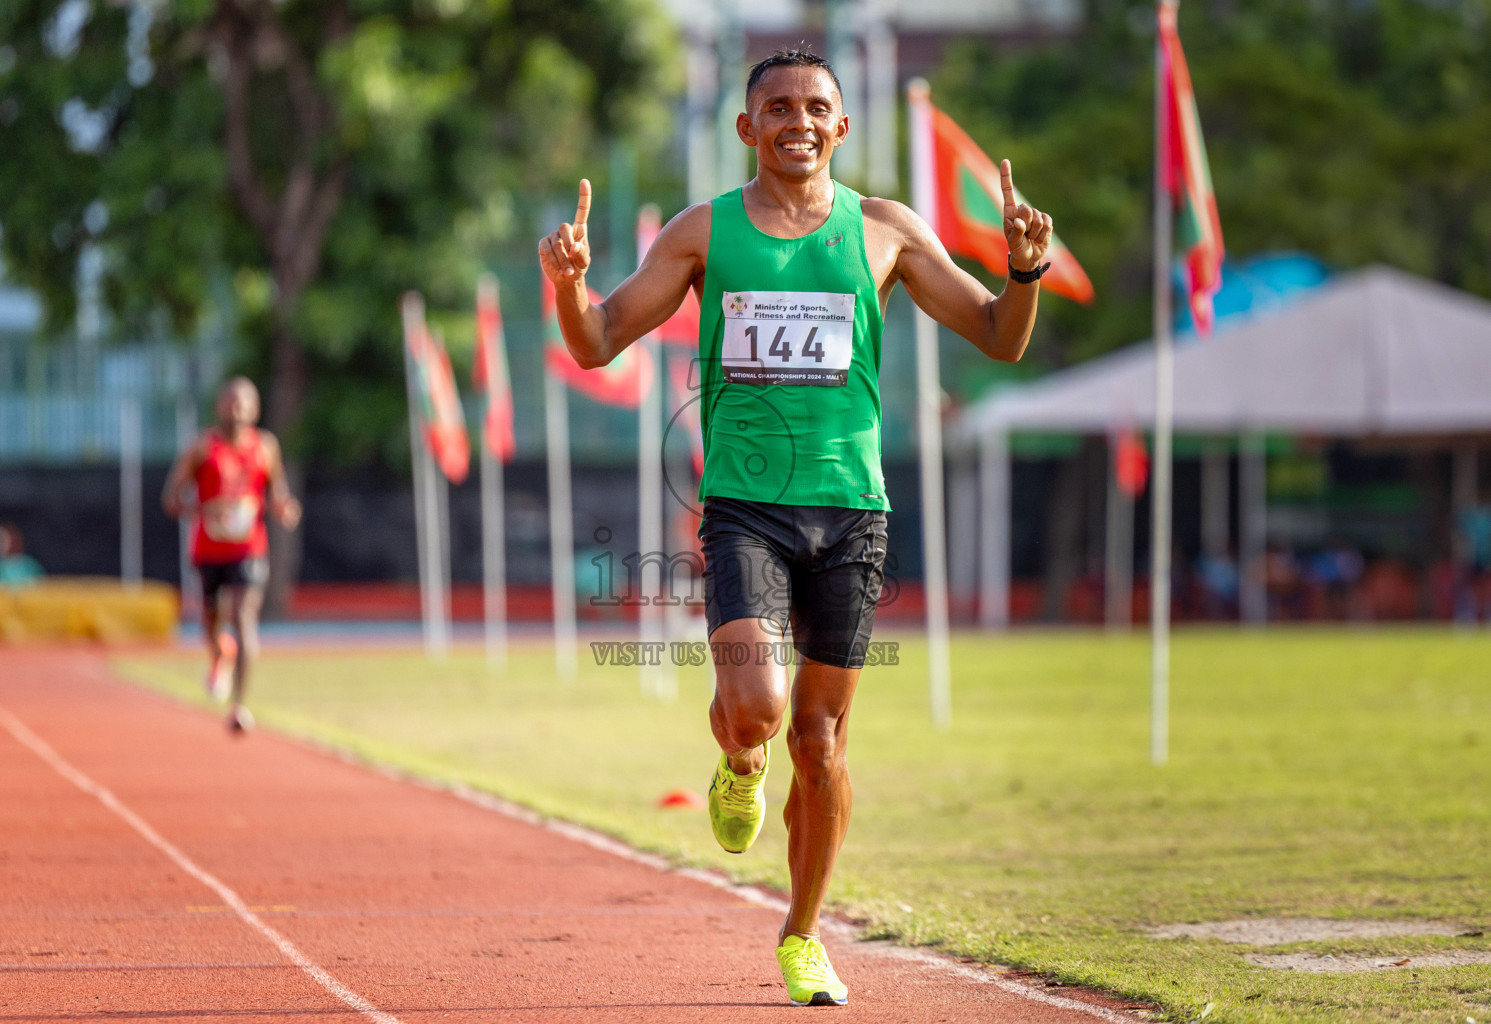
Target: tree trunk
{"points": [[287, 390]]}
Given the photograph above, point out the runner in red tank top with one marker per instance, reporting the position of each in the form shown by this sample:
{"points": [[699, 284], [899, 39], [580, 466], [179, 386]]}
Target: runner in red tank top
{"points": [[236, 469]]}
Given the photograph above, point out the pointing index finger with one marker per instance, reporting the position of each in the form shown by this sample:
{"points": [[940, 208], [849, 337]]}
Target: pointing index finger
{"points": [[1007, 182], [582, 209]]}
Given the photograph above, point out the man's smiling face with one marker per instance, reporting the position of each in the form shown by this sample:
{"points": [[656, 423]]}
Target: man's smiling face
{"points": [[794, 120]]}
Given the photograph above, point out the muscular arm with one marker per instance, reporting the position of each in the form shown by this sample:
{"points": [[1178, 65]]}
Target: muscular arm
{"points": [[902, 247], [182, 470], [282, 503], [998, 326], [596, 334]]}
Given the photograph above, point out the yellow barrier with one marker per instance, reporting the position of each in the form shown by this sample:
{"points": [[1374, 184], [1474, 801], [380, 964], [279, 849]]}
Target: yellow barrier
{"points": [[87, 608]]}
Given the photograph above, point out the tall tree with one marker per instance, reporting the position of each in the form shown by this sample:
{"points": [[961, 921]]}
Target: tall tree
{"points": [[310, 158]]}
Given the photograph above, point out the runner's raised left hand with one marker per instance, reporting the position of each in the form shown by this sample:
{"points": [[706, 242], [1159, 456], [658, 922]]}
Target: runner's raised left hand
{"points": [[1026, 229]]}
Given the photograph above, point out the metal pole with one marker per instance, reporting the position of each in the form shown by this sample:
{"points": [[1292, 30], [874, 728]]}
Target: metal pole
{"points": [[843, 51], [934, 542], [413, 312], [131, 511], [191, 591], [493, 560], [442, 549], [561, 527], [732, 160], [1159, 571], [703, 85], [1118, 569], [1253, 556], [994, 478], [1216, 527], [929, 431], [650, 524], [880, 105], [1463, 490]]}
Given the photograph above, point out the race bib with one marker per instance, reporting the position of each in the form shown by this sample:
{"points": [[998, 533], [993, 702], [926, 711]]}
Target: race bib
{"points": [[230, 520], [798, 338]]}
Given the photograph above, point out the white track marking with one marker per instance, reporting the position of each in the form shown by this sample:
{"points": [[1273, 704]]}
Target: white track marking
{"points": [[941, 963], [750, 894], [39, 747]]}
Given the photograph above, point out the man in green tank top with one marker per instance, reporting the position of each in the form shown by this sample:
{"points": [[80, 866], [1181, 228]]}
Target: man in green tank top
{"points": [[793, 272]]}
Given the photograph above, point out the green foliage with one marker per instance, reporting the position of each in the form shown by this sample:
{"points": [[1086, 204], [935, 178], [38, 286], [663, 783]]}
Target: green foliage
{"points": [[1355, 131], [413, 126]]}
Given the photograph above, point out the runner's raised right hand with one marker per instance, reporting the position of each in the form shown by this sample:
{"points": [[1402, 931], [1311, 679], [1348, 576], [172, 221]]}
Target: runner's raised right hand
{"points": [[564, 254]]}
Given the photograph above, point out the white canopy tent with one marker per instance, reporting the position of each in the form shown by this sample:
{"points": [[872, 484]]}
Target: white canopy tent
{"points": [[1375, 352]]}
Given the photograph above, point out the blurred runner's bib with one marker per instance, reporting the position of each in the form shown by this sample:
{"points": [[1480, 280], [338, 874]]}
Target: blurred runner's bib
{"points": [[793, 338], [231, 519]]}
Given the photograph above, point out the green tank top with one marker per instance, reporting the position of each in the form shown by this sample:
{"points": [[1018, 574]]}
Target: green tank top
{"points": [[789, 354]]}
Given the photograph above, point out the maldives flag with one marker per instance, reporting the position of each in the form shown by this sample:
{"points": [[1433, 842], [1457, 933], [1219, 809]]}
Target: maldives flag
{"points": [[489, 373], [1186, 175], [435, 390], [623, 381], [682, 328], [958, 192]]}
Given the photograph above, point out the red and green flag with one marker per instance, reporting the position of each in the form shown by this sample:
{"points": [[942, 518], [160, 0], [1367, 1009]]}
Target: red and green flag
{"points": [[439, 404], [1187, 176], [489, 373], [623, 381], [963, 201]]}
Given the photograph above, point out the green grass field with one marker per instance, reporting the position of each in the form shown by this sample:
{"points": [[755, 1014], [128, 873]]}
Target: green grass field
{"points": [[1336, 773]]}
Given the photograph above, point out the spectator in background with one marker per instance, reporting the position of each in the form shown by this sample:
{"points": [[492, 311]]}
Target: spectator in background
{"points": [[1472, 602], [17, 569], [1334, 572], [1219, 585]]}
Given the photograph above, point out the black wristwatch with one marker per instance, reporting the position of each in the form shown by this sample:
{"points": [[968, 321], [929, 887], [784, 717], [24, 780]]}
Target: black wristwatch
{"points": [[1025, 276]]}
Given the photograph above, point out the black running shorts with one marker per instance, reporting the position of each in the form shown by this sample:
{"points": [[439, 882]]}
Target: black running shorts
{"points": [[818, 568], [251, 572]]}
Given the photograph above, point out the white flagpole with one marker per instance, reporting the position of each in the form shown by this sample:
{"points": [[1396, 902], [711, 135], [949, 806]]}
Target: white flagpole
{"points": [[191, 591], [561, 527], [413, 312], [493, 560], [131, 510], [493, 530], [929, 431], [442, 528], [650, 526], [1159, 571], [655, 680]]}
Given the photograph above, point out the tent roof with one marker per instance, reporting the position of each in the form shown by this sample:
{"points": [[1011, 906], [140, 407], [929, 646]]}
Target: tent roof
{"points": [[1374, 351]]}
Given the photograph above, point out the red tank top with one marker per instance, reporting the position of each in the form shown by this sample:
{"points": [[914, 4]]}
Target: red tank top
{"points": [[231, 482]]}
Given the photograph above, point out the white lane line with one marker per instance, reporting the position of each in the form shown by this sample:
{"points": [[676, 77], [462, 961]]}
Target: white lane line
{"points": [[935, 962], [39, 747], [750, 894]]}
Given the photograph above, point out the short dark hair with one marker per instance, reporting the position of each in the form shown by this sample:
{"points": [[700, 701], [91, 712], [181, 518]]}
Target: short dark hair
{"points": [[799, 56]]}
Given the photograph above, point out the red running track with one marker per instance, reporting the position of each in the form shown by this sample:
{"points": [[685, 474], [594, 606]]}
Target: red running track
{"points": [[153, 868]]}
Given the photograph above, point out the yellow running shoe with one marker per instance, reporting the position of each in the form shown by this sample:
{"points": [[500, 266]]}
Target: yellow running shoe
{"points": [[810, 978], [737, 806]]}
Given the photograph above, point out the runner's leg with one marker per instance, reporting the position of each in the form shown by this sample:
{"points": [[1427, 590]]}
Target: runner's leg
{"points": [[212, 619], [820, 797], [244, 605], [750, 691]]}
